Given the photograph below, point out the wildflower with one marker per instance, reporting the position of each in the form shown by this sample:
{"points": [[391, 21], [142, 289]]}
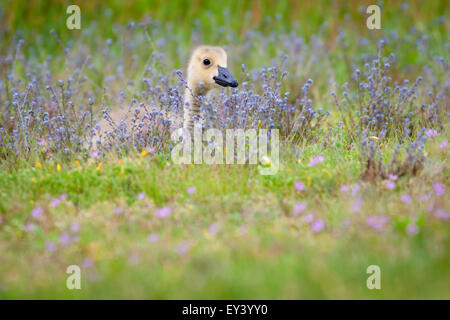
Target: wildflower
{"points": [[95, 154], [62, 196], [315, 160], [431, 133], [33, 179], [50, 246], [426, 196], [318, 225], [153, 237], [299, 207], [143, 153], [58, 167], [38, 165], [412, 229], [299, 160], [377, 223], [374, 138], [357, 205], [346, 223], [309, 218], [163, 212], [392, 177], [77, 163], [405, 198], [87, 263], [265, 161], [344, 188], [54, 203], [213, 228], [75, 227], [438, 188], [355, 189], [41, 142], [64, 239], [141, 196], [37, 212], [183, 248], [389, 184], [30, 227], [443, 144], [299, 186], [191, 190], [442, 214], [259, 123], [117, 210]]}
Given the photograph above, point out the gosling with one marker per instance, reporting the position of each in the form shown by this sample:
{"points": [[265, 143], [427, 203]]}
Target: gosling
{"points": [[207, 70]]}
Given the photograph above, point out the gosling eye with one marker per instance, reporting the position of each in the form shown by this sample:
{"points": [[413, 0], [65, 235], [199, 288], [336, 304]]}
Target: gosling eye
{"points": [[206, 62]]}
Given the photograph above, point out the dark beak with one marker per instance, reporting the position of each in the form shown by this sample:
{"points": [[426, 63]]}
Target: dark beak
{"points": [[225, 79]]}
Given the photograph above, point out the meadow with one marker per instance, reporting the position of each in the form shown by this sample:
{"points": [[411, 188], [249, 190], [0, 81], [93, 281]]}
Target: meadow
{"points": [[363, 177]]}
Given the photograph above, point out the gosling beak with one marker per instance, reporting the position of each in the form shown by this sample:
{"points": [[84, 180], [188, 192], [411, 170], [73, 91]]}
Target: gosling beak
{"points": [[224, 78]]}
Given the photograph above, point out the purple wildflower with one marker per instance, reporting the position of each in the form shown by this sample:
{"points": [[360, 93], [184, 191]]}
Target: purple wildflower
{"points": [[357, 205], [315, 160], [183, 248], [438, 188], [412, 229], [87, 263], [63, 197], [50, 246], [141, 196], [346, 223], [406, 198], [392, 177], [443, 144], [37, 212], [153, 237], [191, 190], [431, 133], [355, 189], [377, 223], [389, 184], [299, 207], [344, 188], [64, 239], [75, 227], [299, 186], [318, 225], [54, 203], [309, 218], [30, 227], [163, 212], [41, 142], [214, 228], [442, 214], [95, 154]]}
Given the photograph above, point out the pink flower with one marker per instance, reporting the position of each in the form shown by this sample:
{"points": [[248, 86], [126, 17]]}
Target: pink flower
{"points": [[75, 227], [163, 212], [377, 222], [426, 196], [412, 229], [87, 263], [309, 218], [214, 228], [153, 237], [50, 246], [438, 188], [183, 248], [392, 177], [344, 188], [95, 154], [191, 190], [63, 197], [54, 203], [318, 225], [299, 186], [299, 207], [357, 205], [41, 142], [117, 210], [315, 160], [64, 239], [346, 223], [37, 212], [406, 198], [431, 133], [443, 144], [355, 189], [442, 214], [30, 227], [389, 184], [141, 196]]}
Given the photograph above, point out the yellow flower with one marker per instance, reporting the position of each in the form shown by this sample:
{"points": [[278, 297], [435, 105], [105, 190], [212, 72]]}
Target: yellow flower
{"points": [[33, 179], [344, 127], [143, 153], [58, 167], [309, 181], [77, 163], [38, 165], [299, 160], [259, 123], [99, 166], [120, 162], [374, 138]]}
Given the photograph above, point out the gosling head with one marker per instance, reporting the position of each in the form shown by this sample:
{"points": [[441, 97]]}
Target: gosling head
{"points": [[207, 69]]}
